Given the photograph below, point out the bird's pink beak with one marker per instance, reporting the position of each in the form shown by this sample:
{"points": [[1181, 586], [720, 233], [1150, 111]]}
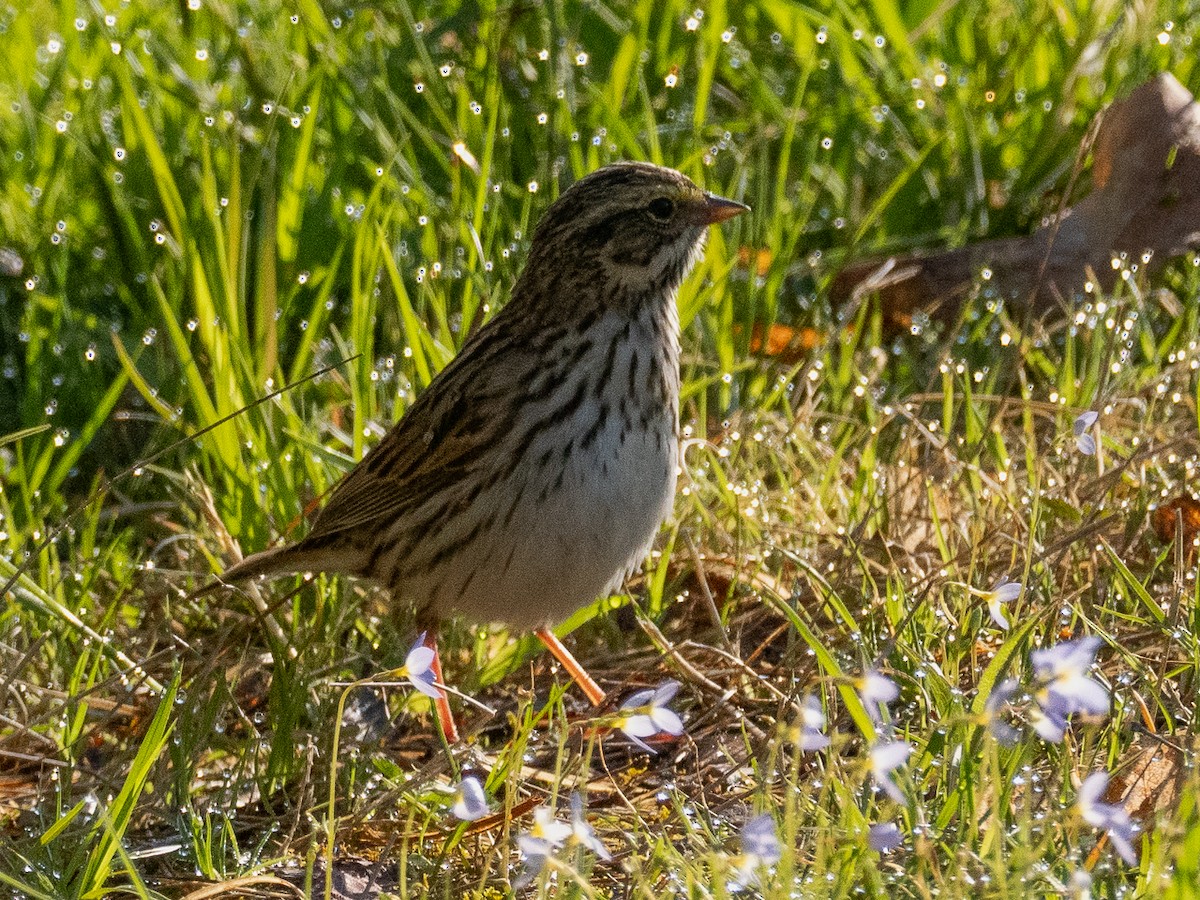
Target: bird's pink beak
{"points": [[717, 209]]}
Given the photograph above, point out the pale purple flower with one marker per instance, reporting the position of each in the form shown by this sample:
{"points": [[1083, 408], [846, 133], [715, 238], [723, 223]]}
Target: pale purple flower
{"points": [[470, 803], [418, 668], [549, 833], [760, 848], [996, 708], [1050, 724], [646, 714], [884, 837], [1080, 885], [1005, 591], [1110, 817], [760, 841], [1085, 442], [582, 832], [1064, 687], [886, 757], [537, 844], [876, 690], [812, 725]]}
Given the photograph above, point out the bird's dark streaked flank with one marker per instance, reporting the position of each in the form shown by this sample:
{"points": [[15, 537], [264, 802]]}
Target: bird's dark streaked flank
{"points": [[532, 474]]}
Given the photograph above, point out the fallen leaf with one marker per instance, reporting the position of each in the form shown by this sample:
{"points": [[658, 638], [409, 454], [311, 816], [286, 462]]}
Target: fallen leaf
{"points": [[1151, 781], [1144, 203], [1166, 518]]}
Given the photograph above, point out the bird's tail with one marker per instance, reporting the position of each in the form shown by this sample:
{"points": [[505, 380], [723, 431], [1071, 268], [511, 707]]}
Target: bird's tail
{"points": [[280, 561]]}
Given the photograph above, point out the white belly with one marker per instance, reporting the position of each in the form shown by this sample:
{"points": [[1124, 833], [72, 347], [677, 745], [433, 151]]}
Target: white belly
{"points": [[562, 532]]}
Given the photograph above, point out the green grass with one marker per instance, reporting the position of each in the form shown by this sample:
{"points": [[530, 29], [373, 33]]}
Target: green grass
{"points": [[215, 203]]}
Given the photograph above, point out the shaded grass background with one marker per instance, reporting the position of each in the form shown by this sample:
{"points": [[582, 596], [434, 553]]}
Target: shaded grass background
{"points": [[213, 202]]}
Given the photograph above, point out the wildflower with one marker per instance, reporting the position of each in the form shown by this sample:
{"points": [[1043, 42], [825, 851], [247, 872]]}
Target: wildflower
{"points": [[1080, 885], [583, 833], [418, 669], [760, 841], [884, 836], [875, 690], [1085, 441], [646, 714], [1111, 817], [1050, 724], [760, 847], [1005, 591], [812, 725], [1064, 687], [470, 803], [995, 708], [886, 757], [546, 835]]}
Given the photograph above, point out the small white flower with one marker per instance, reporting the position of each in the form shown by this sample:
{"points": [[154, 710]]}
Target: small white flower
{"points": [[582, 832], [646, 714], [760, 840], [812, 725], [418, 668], [760, 848], [1064, 687], [996, 710], [470, 803], [1085, 441], [876, 690], [539, 842], [1080, 885], [1005, 591], [1111, 817], [549, 833], [886, 757]]}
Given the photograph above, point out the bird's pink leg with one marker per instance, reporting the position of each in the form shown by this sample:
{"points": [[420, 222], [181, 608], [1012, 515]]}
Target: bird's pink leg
{"points": [[594, 692], [445, 716]]}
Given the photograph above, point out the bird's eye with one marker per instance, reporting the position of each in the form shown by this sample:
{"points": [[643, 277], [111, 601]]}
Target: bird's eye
{"points": [[661, 209]]}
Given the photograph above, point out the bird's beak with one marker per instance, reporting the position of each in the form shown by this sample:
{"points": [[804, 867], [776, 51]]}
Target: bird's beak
{"points": [[716, 209]]}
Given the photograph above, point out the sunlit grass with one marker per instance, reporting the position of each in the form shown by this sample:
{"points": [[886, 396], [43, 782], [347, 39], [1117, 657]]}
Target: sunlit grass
{"points": [[215, 202]]}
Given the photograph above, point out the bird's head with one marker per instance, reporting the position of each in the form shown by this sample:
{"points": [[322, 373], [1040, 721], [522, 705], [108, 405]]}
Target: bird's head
{"points": [[634, 228]]}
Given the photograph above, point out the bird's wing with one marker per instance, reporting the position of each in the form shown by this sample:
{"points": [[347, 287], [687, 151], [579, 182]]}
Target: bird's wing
{"points": [[456, 417]]}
